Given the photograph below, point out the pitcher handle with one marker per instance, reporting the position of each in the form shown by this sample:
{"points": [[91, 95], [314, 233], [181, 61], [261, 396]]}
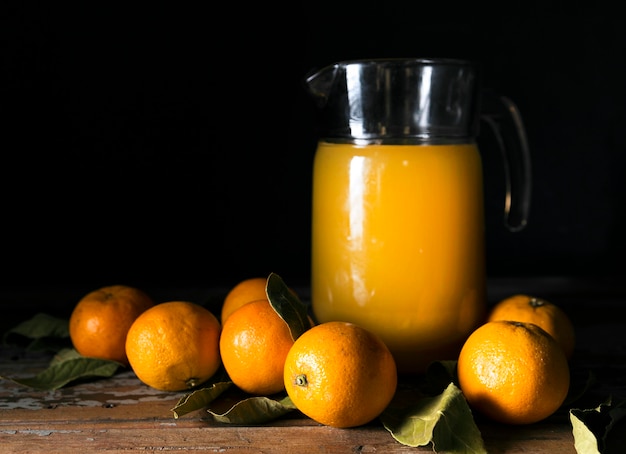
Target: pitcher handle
{"points": [[506, 123]]}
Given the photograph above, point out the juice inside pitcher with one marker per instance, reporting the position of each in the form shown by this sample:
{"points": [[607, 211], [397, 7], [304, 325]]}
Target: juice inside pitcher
{"points": [[398, 245]]}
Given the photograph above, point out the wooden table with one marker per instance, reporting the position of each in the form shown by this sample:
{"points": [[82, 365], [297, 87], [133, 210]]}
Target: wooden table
{"points": [[121, 414]]}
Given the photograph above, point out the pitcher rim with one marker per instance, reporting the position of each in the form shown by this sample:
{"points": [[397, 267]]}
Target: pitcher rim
{"points": [[417, 60], [384, 61]]}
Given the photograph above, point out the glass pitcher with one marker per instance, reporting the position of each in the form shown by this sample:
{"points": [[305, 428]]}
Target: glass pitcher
{"points": [[397, 212]]}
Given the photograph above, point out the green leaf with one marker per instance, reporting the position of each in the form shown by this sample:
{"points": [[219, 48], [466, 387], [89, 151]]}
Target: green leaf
{"points": [[65, 354], [41, 332], [287, 305], [444, 420], [586, 426], [601, 429], [254, 411], [200, 399], [67, 370]]}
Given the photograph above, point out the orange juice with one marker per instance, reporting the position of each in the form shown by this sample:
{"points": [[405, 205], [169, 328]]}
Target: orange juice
{"points": [[398, 245]]}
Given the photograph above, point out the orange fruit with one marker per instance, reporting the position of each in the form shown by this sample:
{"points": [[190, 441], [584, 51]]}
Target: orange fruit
{"points": [[547, 315], [513, 372], [340, 374], [174, 346], [100, 320], [253, 346], [246, 291]]}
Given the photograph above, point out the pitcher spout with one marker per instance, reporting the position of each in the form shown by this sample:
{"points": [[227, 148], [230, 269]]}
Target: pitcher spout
{"points": [[319, 83]]}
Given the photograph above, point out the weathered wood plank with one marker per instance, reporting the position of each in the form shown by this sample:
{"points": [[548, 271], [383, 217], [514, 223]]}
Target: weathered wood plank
{"points": [[122, 414], [84, 434]]}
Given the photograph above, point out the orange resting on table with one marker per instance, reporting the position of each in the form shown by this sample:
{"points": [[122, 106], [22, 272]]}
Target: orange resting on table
{"points": [[513, 372], [100, 321], [174, 346], [253, 346], [340, 374]]}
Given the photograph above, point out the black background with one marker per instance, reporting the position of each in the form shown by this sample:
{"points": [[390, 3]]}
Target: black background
{"points": [[173, 144]]}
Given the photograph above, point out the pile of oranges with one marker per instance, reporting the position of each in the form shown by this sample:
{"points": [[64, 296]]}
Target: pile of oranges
{"points": [[170, 346], [513, 369], [329, 372]]}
